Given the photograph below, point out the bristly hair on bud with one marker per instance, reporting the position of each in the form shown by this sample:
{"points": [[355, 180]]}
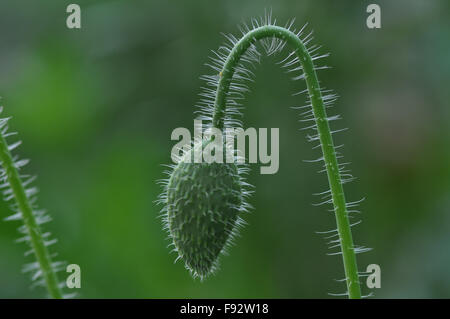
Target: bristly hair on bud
{"points": [[17, 189], [202, 200], [204, 203]]}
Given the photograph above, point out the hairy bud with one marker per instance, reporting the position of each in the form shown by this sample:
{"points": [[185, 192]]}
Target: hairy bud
{"points": [[203, 204]]}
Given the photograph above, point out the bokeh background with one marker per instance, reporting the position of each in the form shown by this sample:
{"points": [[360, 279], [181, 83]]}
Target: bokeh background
{"points": [[95, 109]]}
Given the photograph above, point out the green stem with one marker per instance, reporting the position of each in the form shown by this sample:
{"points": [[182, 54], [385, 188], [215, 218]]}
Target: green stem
{"points": [[34, 232], [326, 140]]}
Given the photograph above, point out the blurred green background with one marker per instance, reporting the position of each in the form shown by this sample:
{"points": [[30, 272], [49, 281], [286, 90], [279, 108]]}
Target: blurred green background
{"points": [[95, 109]]}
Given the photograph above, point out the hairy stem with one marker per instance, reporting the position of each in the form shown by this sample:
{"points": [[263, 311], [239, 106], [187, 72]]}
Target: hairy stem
{"points": [[33, 230], [326, 141]]}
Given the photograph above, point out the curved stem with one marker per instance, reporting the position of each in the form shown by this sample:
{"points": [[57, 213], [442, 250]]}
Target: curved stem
{"points": [[33, 230], [326, 141]]}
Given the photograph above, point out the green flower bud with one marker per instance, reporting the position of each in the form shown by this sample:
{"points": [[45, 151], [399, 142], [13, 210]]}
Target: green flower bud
{"points": [[203, 204]]}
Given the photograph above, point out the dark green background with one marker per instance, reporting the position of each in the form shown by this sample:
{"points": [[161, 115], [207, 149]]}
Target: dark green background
{"points": [[95, 109]]}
